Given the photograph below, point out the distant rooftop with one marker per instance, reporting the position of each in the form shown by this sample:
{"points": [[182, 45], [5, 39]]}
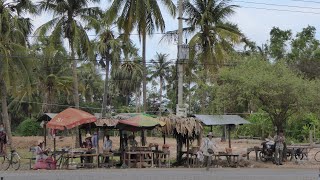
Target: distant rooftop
{"points": [[221, 119]]}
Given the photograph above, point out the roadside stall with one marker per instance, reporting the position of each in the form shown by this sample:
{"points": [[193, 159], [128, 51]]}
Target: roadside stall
{"points": [[44, 119], [65, 120], [139, 155], [107, 124], [185, 130], [229, 121]]}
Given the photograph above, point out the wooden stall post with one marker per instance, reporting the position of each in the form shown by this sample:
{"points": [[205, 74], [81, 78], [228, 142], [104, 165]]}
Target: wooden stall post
{"points": [[80, 138], [97, 130], [229, 135], [188, 151], [143, 143], [45, 134]]}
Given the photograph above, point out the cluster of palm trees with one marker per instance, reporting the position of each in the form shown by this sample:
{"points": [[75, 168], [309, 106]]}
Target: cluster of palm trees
{"points": [[49, 70]]}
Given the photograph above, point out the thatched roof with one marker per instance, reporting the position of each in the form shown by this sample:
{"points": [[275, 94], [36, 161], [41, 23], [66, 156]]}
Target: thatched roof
{"points": [[181, 126], [111, 121]]}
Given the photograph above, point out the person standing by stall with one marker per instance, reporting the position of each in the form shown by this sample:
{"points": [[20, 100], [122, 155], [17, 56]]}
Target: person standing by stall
{"points": [[279, 146], [207, 149], [107, 147]]}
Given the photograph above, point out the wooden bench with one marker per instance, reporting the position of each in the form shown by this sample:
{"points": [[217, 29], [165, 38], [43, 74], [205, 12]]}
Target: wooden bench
{"points": [[140, 158], [32, 158], [232, 159], [256, 149], [103, 157], [244, 137]]}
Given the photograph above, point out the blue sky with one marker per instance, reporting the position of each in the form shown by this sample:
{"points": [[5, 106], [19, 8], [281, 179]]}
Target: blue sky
{"points": [[254, 23]]}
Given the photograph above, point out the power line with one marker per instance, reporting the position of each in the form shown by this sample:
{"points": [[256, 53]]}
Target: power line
{"points": [[65, 105], [92, 35], [279, 5], [281, 10], [308, 1], [125, 61], [87, 107]]}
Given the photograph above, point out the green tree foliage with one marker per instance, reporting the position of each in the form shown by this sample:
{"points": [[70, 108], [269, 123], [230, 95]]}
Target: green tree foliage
{"points": [[146, 17], [278, 41], [214, 35], [159, 69], [67, 23], [261, 126], [299, 126], [51, 72], [272, 87], [14, 71], [29, 127], [305, 53], [91, 84]]}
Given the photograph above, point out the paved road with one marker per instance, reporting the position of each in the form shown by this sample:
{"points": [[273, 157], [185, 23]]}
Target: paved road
{"points": [[164, 174]]}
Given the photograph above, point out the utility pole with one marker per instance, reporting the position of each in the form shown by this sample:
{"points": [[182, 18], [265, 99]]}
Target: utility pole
{"points": [[182, 55], [180, 64]]}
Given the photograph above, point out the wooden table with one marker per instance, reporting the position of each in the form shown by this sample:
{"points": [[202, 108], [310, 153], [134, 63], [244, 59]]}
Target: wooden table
{"points": [[161, 157], [232, 159], [139, 154], [66, 158]]}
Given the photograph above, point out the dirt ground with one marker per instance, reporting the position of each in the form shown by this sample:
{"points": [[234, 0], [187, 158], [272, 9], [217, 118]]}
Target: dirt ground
{"points": [[23, 144]]}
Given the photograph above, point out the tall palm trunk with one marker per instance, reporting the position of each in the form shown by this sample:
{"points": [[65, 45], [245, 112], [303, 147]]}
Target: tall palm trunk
{"points": [[5, 114], [45, 107], [106, 89], [75, 88], [144, 86], [160, 94]]}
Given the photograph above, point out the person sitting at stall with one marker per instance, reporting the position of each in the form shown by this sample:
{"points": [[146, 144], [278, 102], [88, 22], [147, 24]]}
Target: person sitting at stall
{"points": [[94, 140], [88, 145], [43, 161], [107, 147], [40, 153], [132, 142]]}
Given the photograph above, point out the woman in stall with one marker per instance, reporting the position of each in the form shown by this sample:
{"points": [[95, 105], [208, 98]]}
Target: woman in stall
{"points": [[43, 161], [90, 150]]}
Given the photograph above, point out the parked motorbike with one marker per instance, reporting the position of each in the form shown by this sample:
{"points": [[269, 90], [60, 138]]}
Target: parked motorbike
{"points": [[268, 149]]}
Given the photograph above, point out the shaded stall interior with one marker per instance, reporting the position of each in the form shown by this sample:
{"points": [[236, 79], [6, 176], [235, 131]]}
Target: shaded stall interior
{"points": [[184, 130], [228, 121]]}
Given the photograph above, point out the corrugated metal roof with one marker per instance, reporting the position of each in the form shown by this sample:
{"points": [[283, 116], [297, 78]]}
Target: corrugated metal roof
{"points": [[221, 119], [47, 116]]}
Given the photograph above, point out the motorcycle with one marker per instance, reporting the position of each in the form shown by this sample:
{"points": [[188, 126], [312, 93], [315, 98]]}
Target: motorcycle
{"points": [[268, 149]]}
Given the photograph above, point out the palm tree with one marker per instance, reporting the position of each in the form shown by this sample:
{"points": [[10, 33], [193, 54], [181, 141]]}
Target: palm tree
{"points": [[128, 78], [90, 82], [159, 68], [67, 23], [68, 15], [52, 73], [145, 16], [214, 35], [110, 48], [14, 67]]}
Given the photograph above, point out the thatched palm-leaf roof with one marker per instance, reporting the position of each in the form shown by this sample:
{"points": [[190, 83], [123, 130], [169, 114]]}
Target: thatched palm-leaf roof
{"points": [[182, 126], [110, 122]]}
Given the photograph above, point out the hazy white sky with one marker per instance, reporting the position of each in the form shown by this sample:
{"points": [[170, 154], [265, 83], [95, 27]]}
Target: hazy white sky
{"points": [[254, 23]]}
